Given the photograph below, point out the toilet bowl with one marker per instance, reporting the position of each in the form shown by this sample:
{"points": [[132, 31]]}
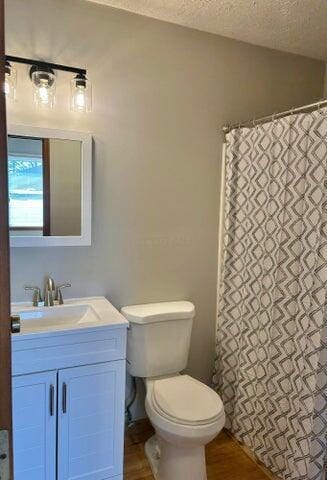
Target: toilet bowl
{"points": [[186, 415]]}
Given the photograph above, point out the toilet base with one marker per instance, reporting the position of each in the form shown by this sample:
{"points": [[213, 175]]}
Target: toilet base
{"points": [[173, 462], [152, 453]]}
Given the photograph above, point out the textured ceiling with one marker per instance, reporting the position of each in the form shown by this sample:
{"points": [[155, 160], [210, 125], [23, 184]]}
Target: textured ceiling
{"points": [[297, 26]]}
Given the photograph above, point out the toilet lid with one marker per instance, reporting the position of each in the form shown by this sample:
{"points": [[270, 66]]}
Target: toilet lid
{"points": [[186, 400]]}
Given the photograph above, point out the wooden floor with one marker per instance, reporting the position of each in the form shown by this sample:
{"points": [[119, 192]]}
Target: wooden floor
{"points": [[225, 459]]}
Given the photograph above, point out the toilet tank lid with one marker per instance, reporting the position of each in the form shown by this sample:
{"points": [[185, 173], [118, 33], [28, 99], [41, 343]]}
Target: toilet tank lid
{"points": [[158, 312]]}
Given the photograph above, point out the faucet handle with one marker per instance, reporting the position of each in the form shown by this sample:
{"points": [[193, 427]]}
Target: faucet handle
{"points": [[59, 293], [36, 294]]}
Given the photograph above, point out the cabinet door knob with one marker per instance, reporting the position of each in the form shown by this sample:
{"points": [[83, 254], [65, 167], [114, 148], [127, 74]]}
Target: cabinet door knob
{"points": [[15, 324], [64, 397], [51, 400]]}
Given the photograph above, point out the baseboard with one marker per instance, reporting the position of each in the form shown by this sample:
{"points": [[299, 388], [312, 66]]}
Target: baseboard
{"points": [[250, 454]]}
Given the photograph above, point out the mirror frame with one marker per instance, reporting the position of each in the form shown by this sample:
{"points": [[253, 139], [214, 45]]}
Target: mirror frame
{"points": [[86, 188]]}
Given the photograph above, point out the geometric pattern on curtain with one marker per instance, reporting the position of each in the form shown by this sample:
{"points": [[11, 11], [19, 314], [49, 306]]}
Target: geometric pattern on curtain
{"points": [[271, 355]]}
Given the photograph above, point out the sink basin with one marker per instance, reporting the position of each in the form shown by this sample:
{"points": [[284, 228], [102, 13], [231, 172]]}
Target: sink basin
{"points": [[74, 314], [57, 318]]}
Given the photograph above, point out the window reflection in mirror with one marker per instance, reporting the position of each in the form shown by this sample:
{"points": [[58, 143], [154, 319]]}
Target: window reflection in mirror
{"points": [[44, 178], [26, 184]]}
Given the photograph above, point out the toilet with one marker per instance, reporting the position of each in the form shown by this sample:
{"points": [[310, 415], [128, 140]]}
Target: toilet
{"points": [[185, 413]]}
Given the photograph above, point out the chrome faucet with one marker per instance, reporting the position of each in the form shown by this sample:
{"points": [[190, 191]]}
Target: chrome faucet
{"points": [[49, 292], [52, 294]]}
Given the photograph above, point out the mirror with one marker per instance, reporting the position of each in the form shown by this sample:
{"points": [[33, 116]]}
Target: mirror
{"points": [[44, 176], [47, 182]]}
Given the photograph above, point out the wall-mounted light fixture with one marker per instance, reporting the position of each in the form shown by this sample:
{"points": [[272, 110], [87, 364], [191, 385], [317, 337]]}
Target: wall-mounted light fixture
{"points": [[10, 81], [43, 77], [81, 94], [44, 86]]}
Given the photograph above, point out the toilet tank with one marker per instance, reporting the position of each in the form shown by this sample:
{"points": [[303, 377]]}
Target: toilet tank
{"points": [[158, 340]]}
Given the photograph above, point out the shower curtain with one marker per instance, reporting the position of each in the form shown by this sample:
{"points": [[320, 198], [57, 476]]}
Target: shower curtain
{"points": [[271, 361]]}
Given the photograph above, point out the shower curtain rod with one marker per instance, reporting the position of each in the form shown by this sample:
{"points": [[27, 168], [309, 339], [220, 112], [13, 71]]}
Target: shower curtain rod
{"points": [[268, 118]]}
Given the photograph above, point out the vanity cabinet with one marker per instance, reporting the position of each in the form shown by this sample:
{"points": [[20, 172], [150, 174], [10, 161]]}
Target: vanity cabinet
{"points": [[70, 421], [69, 402], [90, 430], [34, 425]]}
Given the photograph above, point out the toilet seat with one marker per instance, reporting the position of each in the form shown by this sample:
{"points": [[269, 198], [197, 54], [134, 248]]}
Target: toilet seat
{"points": [[186, 401]]}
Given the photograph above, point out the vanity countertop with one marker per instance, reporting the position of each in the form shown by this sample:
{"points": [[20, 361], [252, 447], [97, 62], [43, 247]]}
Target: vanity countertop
{"points": [[83, 331], [75, 315]]}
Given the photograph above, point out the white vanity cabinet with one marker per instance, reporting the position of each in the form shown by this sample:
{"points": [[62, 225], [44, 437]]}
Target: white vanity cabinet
{"points": [[34, 424], [69, 402], [90, 427]]}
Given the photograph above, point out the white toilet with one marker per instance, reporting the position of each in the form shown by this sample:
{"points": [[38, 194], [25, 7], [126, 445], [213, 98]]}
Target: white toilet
{"points": [[185, 413]]}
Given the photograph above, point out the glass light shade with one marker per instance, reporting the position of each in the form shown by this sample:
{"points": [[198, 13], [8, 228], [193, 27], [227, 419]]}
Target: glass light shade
{"points": [[10, 86], [44, 86], [81, 94]]}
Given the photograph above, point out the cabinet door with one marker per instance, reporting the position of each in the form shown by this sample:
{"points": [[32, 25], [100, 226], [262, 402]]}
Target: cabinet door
{"points": [[34, 426], [91, 421]]}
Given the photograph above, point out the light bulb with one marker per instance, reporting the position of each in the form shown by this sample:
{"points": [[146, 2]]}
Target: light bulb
{"points": [[43, 93], [44, 81], [7, 87], [81, 94], [80, 99]]}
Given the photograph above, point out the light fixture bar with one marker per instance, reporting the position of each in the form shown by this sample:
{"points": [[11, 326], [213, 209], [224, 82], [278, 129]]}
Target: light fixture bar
{"points": [[53, 66]]}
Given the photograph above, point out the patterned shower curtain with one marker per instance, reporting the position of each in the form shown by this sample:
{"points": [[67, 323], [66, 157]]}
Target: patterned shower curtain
{"points": [[271, 362]]}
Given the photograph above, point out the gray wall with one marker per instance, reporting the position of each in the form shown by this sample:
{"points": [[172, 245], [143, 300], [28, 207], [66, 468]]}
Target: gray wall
{"points": [[161, 94]]}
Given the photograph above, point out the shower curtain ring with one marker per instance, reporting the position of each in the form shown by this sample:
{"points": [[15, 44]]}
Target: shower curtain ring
{"points": [[292, 112], [319, 106], [255, 124]]}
